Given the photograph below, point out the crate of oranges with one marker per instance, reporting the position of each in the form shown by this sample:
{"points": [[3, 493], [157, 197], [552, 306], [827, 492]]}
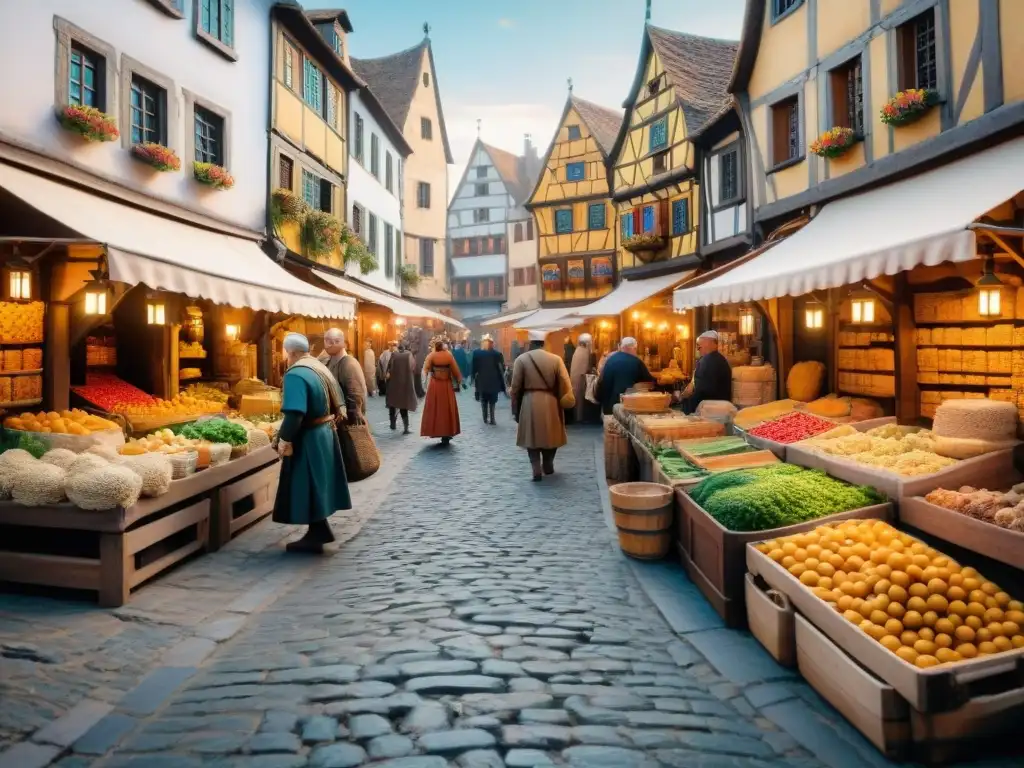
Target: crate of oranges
{"points": [[913, 616]]}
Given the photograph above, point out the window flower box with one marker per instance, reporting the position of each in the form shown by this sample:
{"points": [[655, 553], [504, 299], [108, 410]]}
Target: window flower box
{"points": [[212, 175], [157, 155], [88, 122], [909, 106], [644, 243], [835, 142], [320, 233], [286, 208]]}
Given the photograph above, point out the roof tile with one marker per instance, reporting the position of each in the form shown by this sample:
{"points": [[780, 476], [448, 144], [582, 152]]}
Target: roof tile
{"points": [[604, 123]]}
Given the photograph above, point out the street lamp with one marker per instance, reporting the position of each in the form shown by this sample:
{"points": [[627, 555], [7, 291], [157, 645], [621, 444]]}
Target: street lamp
{"points": [[863, 310], [232, 332], [989, 290]]}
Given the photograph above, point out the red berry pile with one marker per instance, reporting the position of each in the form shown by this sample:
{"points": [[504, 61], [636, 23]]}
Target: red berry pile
{"points": [[108, 391], [792, 427]]}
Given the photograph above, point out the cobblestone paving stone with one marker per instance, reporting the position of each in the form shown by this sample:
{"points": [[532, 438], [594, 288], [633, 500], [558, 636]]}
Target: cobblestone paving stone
{"points": [[478, 620]]}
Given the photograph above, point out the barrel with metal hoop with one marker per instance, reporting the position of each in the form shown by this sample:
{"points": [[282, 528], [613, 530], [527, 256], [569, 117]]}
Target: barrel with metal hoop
{"points": [[643, 516]]}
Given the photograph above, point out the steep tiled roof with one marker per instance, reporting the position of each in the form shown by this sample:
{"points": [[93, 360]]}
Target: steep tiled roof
{"points": [[394, 80], [700, 69], [510, 168], [604, 123], [324, 15]]}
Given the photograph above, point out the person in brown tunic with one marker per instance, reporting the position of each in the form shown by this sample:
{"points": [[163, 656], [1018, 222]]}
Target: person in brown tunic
{"points": [[441, 412], [541, 390], [400, 394], [583, 362], [347, 372]]}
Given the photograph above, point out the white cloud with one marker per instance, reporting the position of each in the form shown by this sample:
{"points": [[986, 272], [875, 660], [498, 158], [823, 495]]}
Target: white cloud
{"points": [[502, 125]]}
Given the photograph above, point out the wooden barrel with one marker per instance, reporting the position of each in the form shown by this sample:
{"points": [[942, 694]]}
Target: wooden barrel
{"points": [[618, 452], [643, 515]]}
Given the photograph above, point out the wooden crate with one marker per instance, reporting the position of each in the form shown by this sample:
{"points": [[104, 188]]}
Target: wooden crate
{"points": [[770, 617], [989, 470], [714, 556], [944, 688], [243, 503], [986, 539]]}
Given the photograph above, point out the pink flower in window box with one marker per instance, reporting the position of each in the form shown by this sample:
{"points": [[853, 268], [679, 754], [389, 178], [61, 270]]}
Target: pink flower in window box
{"points": [[157, 155], [213, 175], [88, 122]]}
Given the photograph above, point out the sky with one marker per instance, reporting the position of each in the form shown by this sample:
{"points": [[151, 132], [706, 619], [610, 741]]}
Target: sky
{"points": [[506, 62]]}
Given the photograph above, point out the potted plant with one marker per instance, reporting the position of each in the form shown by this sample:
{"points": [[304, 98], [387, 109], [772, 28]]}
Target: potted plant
{"points": [[834, 142], [88, 122], [286, 208], [643, 242], [408, 275], [212, 175], [157, 156], [320, 233], [909, 106]]}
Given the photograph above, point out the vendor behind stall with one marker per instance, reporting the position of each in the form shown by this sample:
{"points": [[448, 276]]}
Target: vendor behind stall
{"points": [[621, 371], [712, 377]]}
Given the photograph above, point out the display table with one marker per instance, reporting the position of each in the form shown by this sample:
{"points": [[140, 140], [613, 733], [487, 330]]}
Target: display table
{"points": [[112, 552]]}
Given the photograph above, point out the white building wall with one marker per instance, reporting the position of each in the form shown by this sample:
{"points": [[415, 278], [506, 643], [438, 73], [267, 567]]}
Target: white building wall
{"points": [[520, 256], [466, 201], [169, 47], [371, 194]]}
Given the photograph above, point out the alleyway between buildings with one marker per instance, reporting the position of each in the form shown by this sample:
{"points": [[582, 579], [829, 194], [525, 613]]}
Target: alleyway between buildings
{"points": [[472, 618]]}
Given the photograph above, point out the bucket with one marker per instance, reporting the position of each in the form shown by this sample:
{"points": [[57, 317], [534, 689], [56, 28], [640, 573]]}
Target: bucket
{"points": [[643, 516]]}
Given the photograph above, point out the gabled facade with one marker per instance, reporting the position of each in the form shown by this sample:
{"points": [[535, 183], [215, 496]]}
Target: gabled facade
{"points": [[572, 207], [311, 91], [406, 85], [488, 198], [724, 227], [198, 75], [679, 85], [802, 70]]}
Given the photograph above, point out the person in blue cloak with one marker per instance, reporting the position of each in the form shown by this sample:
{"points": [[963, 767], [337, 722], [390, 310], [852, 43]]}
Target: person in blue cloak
{"points": [[313, 485], [462, 359]]}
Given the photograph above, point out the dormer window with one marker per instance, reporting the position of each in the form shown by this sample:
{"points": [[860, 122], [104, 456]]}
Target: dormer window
{"points": [[426, 79], [339, 44], [654, 86]]}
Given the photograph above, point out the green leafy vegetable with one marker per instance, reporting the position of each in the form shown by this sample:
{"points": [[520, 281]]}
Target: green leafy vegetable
{"points": [[33, 445], [775, 496], [216, 431]]}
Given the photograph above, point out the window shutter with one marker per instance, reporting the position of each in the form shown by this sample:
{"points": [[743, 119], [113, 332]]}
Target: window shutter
{"points": [[227, 22], [637, 226]]}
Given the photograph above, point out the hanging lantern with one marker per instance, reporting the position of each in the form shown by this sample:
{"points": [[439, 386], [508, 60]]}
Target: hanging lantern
{"points": [[96, 291], [863, 310], [20, 285], [156, 312], [232, 332], [989, 291], [747, 324], [814, 317]]}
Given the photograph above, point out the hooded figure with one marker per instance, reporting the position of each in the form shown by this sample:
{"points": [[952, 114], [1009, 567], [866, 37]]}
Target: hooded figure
{"points": [[541, 390]]}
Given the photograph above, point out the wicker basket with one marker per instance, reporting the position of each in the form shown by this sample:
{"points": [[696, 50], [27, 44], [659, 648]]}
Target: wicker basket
{"points": [[238, 451], [644, 517], [648, 402], [748, 393]]}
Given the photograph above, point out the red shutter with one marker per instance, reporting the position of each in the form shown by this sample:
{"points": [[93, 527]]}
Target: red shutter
{"points": [[638, 221], [661, 219]]}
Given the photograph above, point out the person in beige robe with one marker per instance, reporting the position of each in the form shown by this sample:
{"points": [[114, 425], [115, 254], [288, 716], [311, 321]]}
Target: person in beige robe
{"points": [[348, 373], [583, 362], [540, 391], [369, 368]]}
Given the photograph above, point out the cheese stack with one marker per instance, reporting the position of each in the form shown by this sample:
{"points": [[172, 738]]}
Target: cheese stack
{"points": [[974, 426]]}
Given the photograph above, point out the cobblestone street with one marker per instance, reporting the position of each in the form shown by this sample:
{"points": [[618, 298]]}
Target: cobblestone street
{"points": [[476, 620]]}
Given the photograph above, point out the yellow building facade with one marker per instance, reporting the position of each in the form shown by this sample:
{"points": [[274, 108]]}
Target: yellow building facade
{"points": [[679, 85], [807, 66], [572, 207], [309, 108]]}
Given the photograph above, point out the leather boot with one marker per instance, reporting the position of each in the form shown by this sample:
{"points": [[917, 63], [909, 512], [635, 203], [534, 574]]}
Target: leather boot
{"points": [[405, 422], [535, 465], [549, 462], [483, 409], [394, 418], [490, 407]]}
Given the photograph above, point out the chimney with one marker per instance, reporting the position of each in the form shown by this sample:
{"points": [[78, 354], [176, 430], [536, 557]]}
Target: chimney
{"points": [[529, 151]]}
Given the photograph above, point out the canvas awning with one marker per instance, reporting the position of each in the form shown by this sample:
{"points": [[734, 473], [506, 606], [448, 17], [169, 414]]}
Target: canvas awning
{"points": [[511, 317], [549, 320], [396, 304], [169, 255], [922, 220], [629, 293]]}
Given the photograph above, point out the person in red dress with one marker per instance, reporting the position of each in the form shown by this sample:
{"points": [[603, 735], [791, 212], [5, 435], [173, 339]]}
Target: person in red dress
{"points": [[441, 412]]}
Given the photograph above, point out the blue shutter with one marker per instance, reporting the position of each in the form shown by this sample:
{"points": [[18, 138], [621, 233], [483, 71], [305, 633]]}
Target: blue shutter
{"points": [[310, 189], [575, 172], [205, 15], [648, 219], [595, 216], [658, 138], [627, 225], [563, 221], [680, 217], [227, 21]]}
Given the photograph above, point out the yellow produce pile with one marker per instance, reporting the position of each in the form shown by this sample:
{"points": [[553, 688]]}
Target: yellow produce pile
{"points": [[889, 447], [180, 408], [756, 414], [161, 441], [671, 375], [206, 392], [915, 601], [21, 323], [74, 422], [189, 373]]}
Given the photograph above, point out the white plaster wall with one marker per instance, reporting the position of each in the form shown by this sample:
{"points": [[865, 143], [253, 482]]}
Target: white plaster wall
{"points": [[371, 194], [168, 46], [521, 255]]}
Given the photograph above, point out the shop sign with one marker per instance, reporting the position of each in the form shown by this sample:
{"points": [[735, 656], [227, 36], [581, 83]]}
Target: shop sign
{"points": [[601, 269], [551, 275], [577, 273]]}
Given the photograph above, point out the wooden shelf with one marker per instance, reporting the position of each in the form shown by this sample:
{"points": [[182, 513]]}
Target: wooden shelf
{"points": [[961, 386], [866, 370], [21, 403], [870, 345], [193, 357], [21, 343], [866, 327], [33, 372], [973, 348], [1015, 321]]}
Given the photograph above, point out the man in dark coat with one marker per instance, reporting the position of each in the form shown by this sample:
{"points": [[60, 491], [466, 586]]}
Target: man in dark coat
{"points": [[488, 366], [313, 485], [622, 370], [712, 376], [401, 392]]}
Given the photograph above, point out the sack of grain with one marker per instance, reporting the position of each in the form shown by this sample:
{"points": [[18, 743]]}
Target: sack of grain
{"points": [[105, 487], [220, 453], [104, 451], [59, 457], [86, 462], [154, 469], [37, 484], [981, 419], [12, 462], [805, 380], [258, 439]]}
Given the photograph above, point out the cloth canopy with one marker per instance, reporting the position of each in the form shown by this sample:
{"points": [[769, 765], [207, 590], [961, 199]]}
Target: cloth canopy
{"points": [[509, 318], [396, 304], [549, 320], [165, 254], [920, 220], [630, 292]]}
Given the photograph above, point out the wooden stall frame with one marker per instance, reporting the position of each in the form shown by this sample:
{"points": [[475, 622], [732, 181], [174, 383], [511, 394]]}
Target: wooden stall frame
{"points": [[261, 486]]}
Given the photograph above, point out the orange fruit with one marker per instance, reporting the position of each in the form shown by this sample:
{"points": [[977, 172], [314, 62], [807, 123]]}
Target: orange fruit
{"points": [[812, 563], [975, 608], [891, 643], [878, 617], [987, 647], [967, 650], [955, 593], [897, 593], [983, 635], [989, 588], [1015, 605], [882, 587], [964, 634], [912, 620], [1017, 641], [894, 627], [926, 660], [1003, 643], [947, 655], [974, 622], [1011, 628], [937, 603], [993, 614], [845, 602], [909, 655], [917, 604], [942, 640], [797, 568], [919, 590], [908, 637], [825, 569], [945, 626], [926, 633], [937, 586], [995, 628], [895, 610], [914, 572], [809, 578], [853, 617], [1015, 616], [900, 578]]}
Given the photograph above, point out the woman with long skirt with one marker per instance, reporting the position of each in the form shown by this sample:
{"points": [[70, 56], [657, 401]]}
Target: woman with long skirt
{"points": [[441, 411]]}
